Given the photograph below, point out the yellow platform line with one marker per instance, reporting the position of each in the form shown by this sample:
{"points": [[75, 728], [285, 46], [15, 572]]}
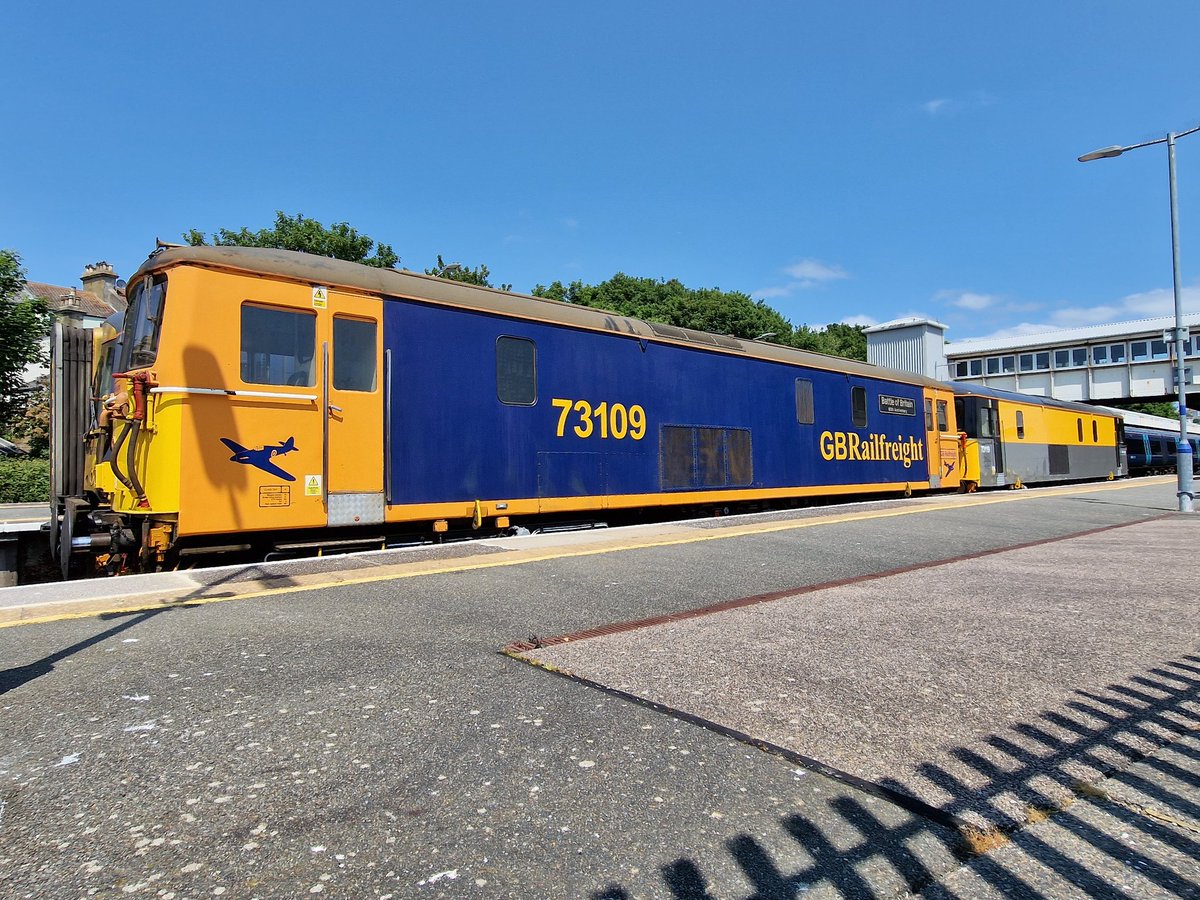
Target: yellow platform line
{"points": [[519, 557]]}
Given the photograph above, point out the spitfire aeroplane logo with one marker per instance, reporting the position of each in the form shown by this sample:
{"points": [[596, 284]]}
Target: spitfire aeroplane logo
{"points": [[261, 458]]}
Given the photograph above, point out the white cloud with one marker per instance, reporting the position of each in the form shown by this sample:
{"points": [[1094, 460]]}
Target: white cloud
{"points": [[865, 321], [973, 301], [766, 293], [808, 273], [1161, 301], [1076, 316], [944, 106], [1142, 305], [1025, 328], [814, 271]]}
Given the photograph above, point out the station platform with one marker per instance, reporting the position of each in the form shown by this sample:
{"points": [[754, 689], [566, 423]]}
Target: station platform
{"points": [[985, 695]]}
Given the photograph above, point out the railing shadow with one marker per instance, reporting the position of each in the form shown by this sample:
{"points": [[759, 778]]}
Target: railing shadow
{"points": [[1040, 767]]}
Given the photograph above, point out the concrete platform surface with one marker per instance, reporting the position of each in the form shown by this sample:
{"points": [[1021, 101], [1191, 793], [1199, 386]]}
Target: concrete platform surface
{"points": [[984, 687], [989, 696], [1134, 835]]}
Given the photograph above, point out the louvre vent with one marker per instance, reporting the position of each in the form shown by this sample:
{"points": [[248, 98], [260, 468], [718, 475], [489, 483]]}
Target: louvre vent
{"points": [[699, 337], [668, 331], [695, 337]]}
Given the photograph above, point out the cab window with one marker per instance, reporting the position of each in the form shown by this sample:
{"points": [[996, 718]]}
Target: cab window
{"points": [[278, 346], [143, 323], [353, 354], [943, 421], [1020, 425], [987, 422]]}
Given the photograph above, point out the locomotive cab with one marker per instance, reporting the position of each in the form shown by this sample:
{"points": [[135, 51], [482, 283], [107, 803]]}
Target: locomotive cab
{"points": [[982, 451]]}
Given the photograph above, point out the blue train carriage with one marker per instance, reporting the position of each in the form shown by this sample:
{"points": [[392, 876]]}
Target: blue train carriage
{"points": [[1151, 443], [283, 392], [550, 408], [1013, 439]]}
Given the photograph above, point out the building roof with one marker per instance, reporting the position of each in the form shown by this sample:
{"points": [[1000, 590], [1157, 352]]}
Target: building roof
{"points": [[69, 299], [972, 389], [1088, 333], [907, 322]]}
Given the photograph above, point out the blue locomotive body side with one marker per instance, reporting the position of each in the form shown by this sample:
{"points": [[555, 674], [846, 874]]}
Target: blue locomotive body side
{"points": [[711, 420]]}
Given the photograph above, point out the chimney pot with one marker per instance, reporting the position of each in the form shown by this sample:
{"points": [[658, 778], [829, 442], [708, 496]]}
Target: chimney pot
{"points": [[100, 279]]}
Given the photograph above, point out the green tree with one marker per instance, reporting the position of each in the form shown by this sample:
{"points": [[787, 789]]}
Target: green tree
{"points": [[840, 339], [339, 240], [1165, 410], [24, 322], [672, 303], [32, 429], [458, 272], [705, 309]]}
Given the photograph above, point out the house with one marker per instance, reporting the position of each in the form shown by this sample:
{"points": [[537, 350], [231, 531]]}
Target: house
{"points": [[101, 294]]}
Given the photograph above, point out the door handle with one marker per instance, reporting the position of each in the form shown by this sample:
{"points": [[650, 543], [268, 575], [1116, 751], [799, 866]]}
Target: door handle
{"points": [[336, 409]]}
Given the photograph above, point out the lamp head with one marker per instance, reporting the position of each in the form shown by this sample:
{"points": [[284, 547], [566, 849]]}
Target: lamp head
{"points": [[1103, 153]]}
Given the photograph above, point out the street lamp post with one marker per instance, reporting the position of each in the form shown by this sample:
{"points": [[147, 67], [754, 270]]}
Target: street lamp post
{"points": [[1183, 457]]}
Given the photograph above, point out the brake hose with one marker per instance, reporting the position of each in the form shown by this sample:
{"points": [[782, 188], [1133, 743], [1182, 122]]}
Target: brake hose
{"points": [[114, 454], [131, 465]]}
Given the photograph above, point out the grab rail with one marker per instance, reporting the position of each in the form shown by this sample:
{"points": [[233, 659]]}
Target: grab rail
{"points": [[266, 395]]}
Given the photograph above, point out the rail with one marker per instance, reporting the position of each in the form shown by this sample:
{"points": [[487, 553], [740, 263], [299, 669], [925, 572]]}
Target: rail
{"points": [[265, 395]]}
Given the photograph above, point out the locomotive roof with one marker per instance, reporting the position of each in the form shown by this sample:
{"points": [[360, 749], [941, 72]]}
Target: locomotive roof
{"points": [[309, 268], [977, 390]]}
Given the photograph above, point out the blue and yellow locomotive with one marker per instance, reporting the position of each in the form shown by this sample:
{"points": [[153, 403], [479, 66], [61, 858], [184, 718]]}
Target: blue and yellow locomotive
{"points": [[264, 396]]}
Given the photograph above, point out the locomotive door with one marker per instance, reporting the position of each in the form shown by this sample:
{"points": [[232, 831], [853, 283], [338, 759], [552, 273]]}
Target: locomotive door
{"points": [[353, 400], [945, 468]]}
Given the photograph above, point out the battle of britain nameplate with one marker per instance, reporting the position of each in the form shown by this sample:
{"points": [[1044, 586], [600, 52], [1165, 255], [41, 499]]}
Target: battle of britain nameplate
{"points": [[897, 406]]}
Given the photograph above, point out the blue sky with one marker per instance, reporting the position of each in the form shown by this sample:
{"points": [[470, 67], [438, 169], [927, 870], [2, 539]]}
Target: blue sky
{"points": [[845, 162]]}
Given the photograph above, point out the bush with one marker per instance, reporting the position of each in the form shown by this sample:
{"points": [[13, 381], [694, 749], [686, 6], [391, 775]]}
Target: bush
{"points": [[24, 481]]}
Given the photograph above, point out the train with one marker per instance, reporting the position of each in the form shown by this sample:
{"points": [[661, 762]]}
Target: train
{"points": [[1014, 439], [255, 399], [1151, 443]]}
